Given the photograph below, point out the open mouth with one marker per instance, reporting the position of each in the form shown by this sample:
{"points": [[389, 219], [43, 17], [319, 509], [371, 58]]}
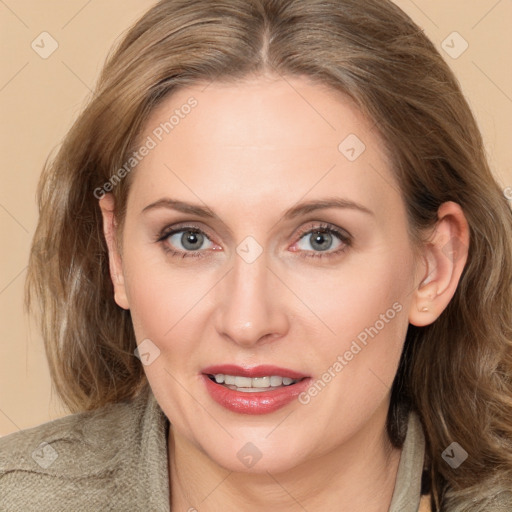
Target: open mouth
{"points": [[258, 389], [253, 384]]}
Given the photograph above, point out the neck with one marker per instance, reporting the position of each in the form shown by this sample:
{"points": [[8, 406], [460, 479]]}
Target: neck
{"points": [[359, 475]]}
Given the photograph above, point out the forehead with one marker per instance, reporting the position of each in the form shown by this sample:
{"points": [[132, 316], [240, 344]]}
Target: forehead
{"points": [[258, 139]]}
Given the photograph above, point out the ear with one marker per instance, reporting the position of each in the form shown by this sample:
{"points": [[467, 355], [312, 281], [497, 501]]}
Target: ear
{"points": [[114, 257], [444, 257]]}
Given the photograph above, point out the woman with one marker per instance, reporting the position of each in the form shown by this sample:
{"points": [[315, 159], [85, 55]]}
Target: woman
{"points": [[279, 277]]}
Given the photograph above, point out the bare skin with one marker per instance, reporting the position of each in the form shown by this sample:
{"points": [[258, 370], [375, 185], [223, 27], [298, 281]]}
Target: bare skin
{"points": [[249, 152]]}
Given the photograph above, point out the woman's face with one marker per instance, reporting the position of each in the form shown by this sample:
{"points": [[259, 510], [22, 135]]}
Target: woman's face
{"points": [[319, 294]]}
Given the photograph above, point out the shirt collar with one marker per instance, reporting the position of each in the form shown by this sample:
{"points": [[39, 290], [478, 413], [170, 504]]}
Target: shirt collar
{"points": [[407, 492]]}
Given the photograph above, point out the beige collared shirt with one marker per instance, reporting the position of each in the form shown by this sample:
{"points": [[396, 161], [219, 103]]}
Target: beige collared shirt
{"points": [[115, 459]]}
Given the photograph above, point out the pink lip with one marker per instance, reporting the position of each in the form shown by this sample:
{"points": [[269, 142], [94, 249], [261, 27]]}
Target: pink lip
{"points": [[255, 371], [263, 402]]}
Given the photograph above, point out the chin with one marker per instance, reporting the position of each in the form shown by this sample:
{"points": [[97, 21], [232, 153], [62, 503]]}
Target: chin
{"points": [[257, 454]]}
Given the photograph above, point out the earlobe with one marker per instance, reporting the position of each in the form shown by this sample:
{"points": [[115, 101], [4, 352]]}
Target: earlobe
{"points": [[115, 262], [444, 258]]}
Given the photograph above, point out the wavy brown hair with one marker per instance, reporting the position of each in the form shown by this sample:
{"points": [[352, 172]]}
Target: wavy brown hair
{"points": [[456, 373]]}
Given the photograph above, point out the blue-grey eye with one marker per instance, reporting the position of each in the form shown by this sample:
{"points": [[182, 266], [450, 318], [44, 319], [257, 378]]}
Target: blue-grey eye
{"points": [[190, 240], [320, 240]]}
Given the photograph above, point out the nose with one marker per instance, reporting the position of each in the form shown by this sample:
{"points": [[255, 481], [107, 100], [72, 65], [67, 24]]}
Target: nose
{"points": [[251, 305]]}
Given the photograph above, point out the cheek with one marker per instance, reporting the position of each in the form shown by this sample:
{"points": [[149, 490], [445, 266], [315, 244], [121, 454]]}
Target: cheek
{"points": [[358, 293], [365, 305], [160, 296]]}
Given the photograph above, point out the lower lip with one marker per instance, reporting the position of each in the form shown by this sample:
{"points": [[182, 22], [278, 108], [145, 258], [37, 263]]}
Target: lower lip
{"points": [[263, 402]]}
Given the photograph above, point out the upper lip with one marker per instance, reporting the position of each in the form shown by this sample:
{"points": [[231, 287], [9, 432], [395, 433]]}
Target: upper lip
{"points": [[252, 371]]}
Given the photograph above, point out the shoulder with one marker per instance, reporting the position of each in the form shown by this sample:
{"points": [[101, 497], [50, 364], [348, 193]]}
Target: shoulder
{"points": [[81, 455], [491, 497]]}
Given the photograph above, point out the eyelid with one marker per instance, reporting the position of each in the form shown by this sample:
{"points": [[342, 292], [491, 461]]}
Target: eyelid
{"points": [[324, 226], [169, 230]]}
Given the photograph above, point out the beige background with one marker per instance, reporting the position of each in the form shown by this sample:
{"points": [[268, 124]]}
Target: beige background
{"points": [[39, 98]]}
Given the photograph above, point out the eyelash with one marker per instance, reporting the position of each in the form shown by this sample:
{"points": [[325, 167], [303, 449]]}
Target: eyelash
{"points": [[322, 227]]}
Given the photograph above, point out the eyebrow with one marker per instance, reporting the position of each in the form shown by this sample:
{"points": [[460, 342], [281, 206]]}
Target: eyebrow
{"points": [[293, 212]]}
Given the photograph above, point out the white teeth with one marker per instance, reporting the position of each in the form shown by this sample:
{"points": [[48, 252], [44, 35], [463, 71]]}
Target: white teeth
{"points": [[243, 382], [249, 384], [261, 382], [229, 379], [276, 381]]}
